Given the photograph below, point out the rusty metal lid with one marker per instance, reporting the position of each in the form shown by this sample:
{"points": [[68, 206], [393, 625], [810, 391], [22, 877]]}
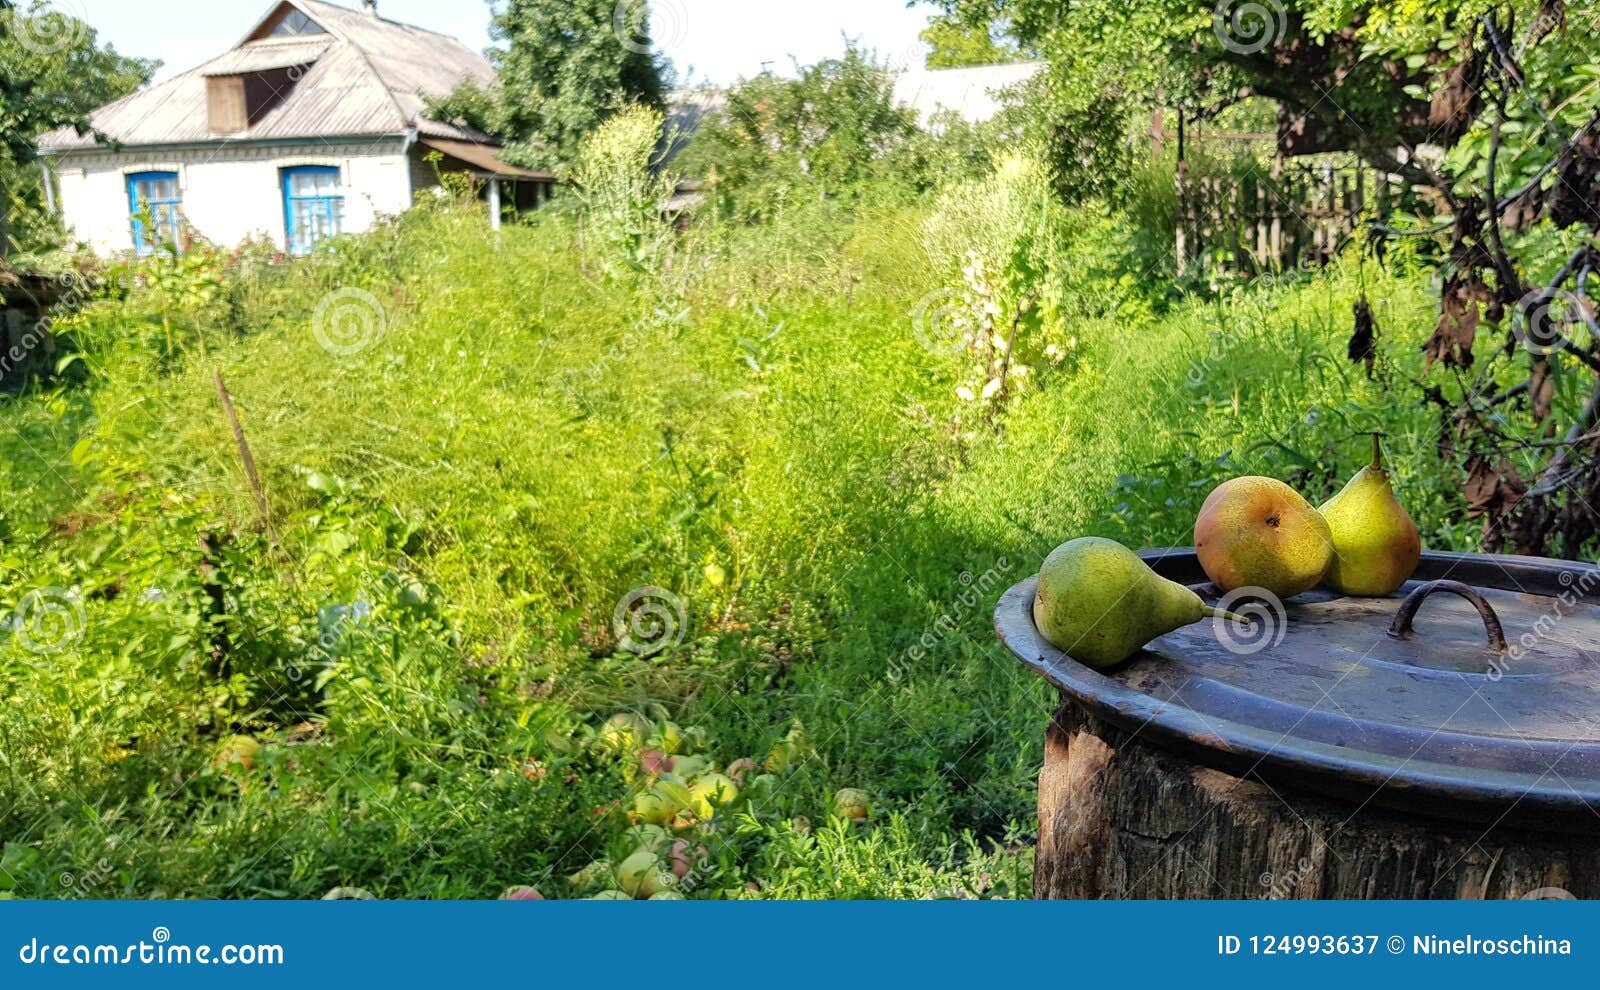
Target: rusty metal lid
{"points": [[1336, 695]]}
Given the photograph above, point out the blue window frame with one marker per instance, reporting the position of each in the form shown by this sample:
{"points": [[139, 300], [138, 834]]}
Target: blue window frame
{"points": [[158, 194], [313, 205]]}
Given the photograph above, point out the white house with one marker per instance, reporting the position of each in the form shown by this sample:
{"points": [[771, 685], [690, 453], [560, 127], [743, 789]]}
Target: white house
{"points": [[973, 93], [315, 124]]}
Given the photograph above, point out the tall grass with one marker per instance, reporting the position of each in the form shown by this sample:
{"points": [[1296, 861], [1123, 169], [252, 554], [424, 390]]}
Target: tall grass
{"points": [[464, 501]]}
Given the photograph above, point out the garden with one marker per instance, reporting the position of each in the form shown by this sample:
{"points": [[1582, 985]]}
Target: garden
{"points": [[620, 554]]}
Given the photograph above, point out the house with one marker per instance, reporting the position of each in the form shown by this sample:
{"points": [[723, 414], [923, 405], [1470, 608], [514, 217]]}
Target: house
{"points": [[316, 123], [974, 93]]}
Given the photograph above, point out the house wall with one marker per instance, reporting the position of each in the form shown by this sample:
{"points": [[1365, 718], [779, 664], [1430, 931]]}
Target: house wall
{"points": [[230, 192]]}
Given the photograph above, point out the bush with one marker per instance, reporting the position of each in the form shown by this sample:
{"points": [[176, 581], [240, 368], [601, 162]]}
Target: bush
{"points": [[833, 133]]}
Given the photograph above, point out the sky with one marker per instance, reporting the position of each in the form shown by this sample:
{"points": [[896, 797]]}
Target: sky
{"points": [[709, 41]]}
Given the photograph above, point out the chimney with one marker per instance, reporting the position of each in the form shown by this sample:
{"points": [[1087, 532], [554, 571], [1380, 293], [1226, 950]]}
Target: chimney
{"points": [[372, 7]]}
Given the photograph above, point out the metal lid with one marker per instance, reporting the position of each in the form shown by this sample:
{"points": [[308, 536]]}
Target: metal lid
{"points": [[1339, 697]]}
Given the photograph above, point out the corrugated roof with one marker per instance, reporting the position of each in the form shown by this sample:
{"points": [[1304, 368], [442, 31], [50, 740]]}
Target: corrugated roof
{"points": [[369, 77], [486, 159], [263, 55]]}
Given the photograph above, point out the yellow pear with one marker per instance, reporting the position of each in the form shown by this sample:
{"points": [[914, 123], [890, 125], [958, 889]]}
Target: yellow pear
{"points": [[1099, 603], [1375, 543]]}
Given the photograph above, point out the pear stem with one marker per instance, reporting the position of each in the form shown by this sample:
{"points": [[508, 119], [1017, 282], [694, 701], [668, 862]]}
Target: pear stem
{"points": [[1377, 452], [1217, 613]]}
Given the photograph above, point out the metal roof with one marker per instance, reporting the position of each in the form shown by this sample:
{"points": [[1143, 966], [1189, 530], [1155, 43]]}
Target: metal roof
{"points": [[366, 76], [264, 55], [974, 93], [485, 160]]}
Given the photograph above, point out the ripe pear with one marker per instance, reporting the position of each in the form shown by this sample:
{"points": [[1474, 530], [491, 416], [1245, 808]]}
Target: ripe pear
{"points": [[1100, 603], [1258, 532], [1375, 543]]}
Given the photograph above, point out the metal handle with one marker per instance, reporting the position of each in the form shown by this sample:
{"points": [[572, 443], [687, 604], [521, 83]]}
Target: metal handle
{"points": [[1401, 627]]}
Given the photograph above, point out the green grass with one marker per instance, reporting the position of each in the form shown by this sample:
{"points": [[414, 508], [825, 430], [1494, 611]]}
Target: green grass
{"points": [[459, 507]]}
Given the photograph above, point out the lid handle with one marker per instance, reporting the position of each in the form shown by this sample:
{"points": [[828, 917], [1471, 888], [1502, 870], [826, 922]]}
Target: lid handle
{"points": [[1401, 627]]}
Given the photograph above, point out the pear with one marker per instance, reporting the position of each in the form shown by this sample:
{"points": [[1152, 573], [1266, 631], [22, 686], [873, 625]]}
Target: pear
{"points": [[1258, 532], [1100, 603], [1375, 543]]}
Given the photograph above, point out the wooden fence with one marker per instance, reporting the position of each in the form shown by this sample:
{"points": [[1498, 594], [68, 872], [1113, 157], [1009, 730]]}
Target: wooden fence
{"points": [[1298, 213]]}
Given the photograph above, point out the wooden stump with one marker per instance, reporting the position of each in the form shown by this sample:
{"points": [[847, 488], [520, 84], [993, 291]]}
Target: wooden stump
{"points": [[1120, 818]]}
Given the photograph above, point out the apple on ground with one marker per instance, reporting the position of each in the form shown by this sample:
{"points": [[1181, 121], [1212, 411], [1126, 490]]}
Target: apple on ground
{"points": [[851, 804], [712, 791], [633, 871], [686, 855]]}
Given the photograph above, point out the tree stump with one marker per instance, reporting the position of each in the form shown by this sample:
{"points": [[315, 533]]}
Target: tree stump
{"points": [[1120, 818]]}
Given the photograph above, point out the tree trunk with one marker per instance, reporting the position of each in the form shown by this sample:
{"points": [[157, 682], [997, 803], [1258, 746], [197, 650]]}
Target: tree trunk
{"points": [[1119, 818]]}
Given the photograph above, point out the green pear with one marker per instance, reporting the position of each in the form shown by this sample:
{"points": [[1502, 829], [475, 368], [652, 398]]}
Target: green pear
{"points": [[1375, 543], [1100, 603]]}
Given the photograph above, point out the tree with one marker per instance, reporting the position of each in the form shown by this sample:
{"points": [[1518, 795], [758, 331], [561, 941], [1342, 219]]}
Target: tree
{"points": [[52, 73], [566, 66], [952, 43], [827, 134], [1491, 110]]}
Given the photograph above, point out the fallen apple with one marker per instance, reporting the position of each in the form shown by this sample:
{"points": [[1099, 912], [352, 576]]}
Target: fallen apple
{"points": [[237, 750], [595, 876], [651, 837], [686, 768], [654, 762], [851, 804], [650, 807], [521, 893], [658, 881], [633, 871], [712, 791], [623, 733], [685, 856], [676, 796], [670, 737]]}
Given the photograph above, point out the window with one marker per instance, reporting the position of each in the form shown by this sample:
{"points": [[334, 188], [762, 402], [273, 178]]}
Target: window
{"points": [[293, 23], [313, 205], [157, 194]]}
